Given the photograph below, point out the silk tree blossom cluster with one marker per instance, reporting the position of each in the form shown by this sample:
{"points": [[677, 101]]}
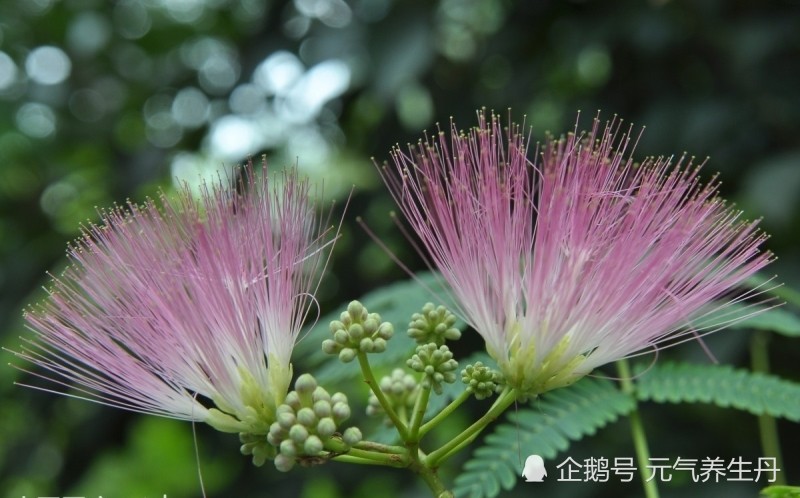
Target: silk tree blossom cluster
{"points": [[169, 301], [577, 259]]}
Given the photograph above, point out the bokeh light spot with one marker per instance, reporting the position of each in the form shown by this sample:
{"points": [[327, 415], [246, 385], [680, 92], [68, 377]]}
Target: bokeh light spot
{"points": [[88, 33], [219, 73], [8, 71], [36, 120], [594, 65], [131, 19], [190, 108], [247, 99], [233, 138], [333, 13], [48, 65], [278, 72], [414, 106]]}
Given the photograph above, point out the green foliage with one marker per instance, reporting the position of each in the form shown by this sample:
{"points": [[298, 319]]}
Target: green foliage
{"points": [[788, 294], [721, 385], [396, 304], [159, 459], [780, 492], [779, 320], [545, 428]]}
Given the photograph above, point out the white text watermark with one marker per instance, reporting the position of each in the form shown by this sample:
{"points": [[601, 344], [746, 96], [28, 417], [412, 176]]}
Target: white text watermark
{"points": [[624, 469]]}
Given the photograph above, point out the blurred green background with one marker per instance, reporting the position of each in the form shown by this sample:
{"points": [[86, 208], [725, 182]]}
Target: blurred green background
{"points": [[104, 101]]}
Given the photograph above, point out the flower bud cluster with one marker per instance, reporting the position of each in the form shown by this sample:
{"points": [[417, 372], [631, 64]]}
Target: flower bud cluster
{"points": [[308, 418], [258, 446], [434, 324], [401, 391], [437, 363], [482, 380], [357, 330]]}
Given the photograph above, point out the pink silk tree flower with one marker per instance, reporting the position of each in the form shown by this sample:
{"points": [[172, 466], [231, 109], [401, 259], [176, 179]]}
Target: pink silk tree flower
{"points": [[166, 302], [578, 259]]}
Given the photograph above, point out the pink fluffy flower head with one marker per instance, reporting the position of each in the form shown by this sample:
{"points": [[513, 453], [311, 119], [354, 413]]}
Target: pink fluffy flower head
{"points": [[164, 302], [578, 259]]}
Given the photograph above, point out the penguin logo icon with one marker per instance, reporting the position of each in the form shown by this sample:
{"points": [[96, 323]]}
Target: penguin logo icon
{"points": [[534, 470]]}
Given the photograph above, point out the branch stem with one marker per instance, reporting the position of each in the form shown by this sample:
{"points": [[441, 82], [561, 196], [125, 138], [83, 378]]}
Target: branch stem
{"points": [[637, 430], [767, 425], [369, 378]]}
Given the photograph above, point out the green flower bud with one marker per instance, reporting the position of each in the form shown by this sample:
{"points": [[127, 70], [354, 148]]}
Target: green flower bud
{"points": [[374, 408], [356, 310], [481, 380], [306, 417], [401, 392], [339, 398], [366, 345], [322, 408], [298, 433], [326, 428], [293, 400], [347, 355], [330, 347], [320, 394], [341, 412], [372, 323], [286, 420], [352, 436], [284, 409], [386, 331], [284, 463], [305, 384], [260, 455], [436, 363], [312, 446], [434, 324], [276, 433], [288, 448], [341, 336], [257, 446], [357, 330]]}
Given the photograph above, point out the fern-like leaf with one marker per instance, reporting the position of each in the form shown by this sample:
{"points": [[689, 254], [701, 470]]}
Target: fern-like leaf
{"points": [[720, 385], [544, 428]]}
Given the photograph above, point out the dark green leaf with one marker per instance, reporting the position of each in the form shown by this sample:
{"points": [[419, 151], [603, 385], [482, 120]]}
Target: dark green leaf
{"points": [[545, 428], [776, 319], [721, 385]]}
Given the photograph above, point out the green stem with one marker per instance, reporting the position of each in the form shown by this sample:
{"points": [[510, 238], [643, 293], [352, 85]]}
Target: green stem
{"points": [[376, 390], [357, 460], [381, 448], [470, 433], [389, 459], [431, 478], [430, 424], [767, 425], [419, 412], [637, 430]]}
